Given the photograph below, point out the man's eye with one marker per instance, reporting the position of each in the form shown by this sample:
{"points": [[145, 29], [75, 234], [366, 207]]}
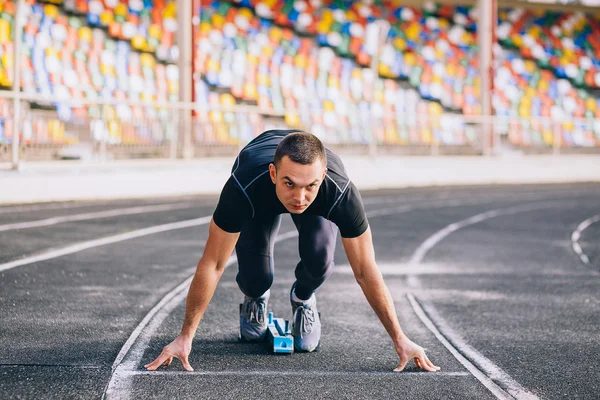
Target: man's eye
{"points": [[289, 184]]}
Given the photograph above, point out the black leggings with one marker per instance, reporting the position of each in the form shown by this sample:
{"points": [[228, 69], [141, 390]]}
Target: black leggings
{"points": [[316, 245]]}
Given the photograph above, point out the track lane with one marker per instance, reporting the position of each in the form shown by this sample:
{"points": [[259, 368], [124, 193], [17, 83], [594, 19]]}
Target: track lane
{"points": [[19, 244], [354, 346], [511, 317], [212, 340], [95, 215]]}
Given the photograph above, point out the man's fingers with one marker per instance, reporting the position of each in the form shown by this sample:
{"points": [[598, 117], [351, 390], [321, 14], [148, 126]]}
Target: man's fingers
{"points": [[156, 363], [186, 363], [418, 363], [169, 361], [423, 363], [401, 366], [428, 361], [160, 360]]}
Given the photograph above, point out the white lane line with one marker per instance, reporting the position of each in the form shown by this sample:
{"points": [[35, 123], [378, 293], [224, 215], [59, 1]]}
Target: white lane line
{"points": [[491, 376], [396, 375], [437, 237], [133, 350], [96, 215], [61, 206], [148, 231], [576, 235], [491, 373], [161, 311], [104, 241]]}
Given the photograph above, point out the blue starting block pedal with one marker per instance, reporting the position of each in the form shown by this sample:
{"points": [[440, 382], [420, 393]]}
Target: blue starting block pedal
{"points": [[279, 332]]}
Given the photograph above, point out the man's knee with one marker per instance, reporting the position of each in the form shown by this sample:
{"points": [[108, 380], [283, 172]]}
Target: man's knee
{"points": [[253, 285], [319, 258], [318, 267]]}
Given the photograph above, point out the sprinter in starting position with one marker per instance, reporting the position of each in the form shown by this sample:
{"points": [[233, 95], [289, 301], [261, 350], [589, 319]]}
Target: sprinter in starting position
{"points": [[288, 172]]}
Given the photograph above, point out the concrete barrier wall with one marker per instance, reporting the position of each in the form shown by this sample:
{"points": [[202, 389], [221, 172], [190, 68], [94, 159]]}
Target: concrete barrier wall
{"points": [[63, 181]]}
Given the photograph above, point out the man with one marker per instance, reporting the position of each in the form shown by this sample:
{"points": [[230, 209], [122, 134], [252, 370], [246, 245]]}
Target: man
{"points": [[280, 172]]}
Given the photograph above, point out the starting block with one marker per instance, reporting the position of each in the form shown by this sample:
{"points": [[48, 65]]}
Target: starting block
{"points": [[279, 333]]}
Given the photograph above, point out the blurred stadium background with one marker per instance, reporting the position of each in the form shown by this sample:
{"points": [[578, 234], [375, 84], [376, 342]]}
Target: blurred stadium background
{"points": [[110, 79]]}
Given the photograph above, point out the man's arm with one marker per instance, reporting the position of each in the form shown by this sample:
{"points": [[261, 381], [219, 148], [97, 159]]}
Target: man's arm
{"points": [[219, 246], [361, 255]]}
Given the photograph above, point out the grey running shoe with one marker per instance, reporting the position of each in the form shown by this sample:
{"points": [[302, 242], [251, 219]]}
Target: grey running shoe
{"points": [[253, 317], [306, 325]]}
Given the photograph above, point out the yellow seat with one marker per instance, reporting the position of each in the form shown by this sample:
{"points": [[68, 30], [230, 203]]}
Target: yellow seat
{"points": [[107, 17], [51, 11]]}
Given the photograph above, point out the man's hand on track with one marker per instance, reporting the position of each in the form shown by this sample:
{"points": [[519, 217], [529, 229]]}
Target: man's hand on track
{"points": [[179, 348], [409, 350]]}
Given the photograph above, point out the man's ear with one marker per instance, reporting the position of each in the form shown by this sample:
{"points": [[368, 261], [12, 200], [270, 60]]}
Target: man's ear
{"points": [[324, 172], [273, 172]]}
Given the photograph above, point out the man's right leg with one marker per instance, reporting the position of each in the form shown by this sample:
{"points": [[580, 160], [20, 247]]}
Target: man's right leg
{"points": [[316, 243], [254, 251]]}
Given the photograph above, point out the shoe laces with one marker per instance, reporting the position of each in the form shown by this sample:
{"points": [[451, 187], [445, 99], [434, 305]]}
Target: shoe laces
{"points": [[256, 314], [307, 319]]}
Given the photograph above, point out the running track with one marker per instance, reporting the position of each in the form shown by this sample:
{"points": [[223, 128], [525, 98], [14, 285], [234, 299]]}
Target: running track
{"points": [[500, 284]]}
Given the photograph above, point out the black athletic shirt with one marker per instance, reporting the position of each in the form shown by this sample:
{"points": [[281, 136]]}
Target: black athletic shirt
{"points": [[249, 192]]}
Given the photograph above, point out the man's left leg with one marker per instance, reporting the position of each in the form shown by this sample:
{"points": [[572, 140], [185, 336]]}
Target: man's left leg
{"points": [[317, 238], [254, 251]]}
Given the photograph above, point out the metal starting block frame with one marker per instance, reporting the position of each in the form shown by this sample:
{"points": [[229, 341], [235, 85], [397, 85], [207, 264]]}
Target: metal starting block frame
{"points": [[279, 333]]}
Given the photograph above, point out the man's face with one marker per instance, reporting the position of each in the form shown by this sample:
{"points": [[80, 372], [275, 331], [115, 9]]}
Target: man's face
{"points": [[297, 185]]}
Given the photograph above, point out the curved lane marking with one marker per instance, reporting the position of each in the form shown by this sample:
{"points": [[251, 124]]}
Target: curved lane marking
{"points": [[96, 215], [576, 235], [437, 237], [486, 372], [490, 374]]}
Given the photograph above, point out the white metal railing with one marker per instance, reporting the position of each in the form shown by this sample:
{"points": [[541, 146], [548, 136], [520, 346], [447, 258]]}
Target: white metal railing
{"points": [[101, 129]]}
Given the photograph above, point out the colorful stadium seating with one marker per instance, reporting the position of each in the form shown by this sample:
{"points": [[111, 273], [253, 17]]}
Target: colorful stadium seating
{"points": [[149, 25], [315, 58], [72, 50], [260, 62], [7, 11], [549, 73], [566, 43], [435, 50]]}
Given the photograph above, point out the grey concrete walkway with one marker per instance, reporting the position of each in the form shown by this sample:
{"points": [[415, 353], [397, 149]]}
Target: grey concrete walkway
{"points": [[66, 180]]}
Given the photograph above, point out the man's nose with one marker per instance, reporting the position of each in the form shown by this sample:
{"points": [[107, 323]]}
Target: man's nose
{"points": [[299, 194]]}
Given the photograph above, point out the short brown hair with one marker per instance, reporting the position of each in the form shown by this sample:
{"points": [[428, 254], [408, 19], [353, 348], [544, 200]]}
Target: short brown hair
{"points": [[301, 147]]}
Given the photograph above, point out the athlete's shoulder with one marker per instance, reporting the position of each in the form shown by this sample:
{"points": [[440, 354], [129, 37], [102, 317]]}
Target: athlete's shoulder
{"points": [[336, 171]]}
